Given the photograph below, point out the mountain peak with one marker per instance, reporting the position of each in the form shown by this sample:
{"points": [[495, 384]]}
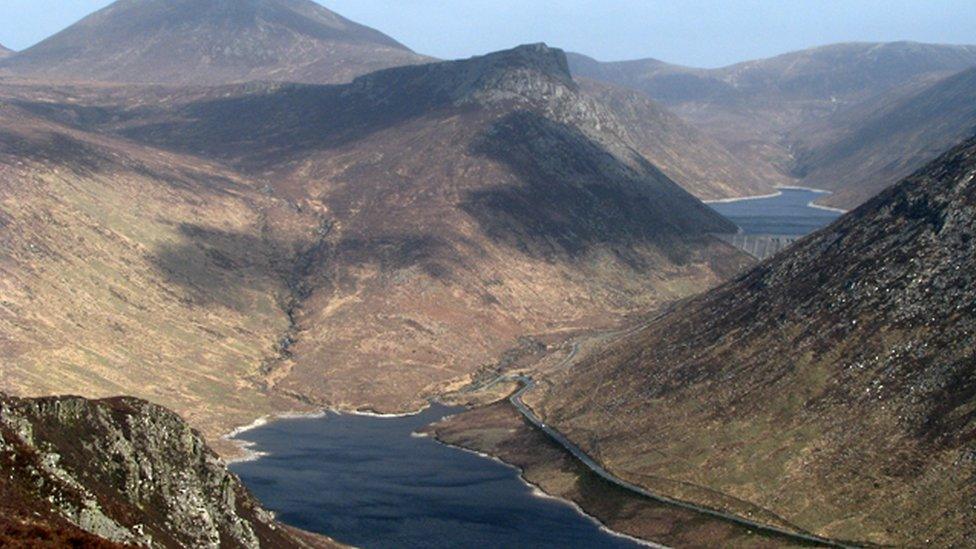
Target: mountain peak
{"points": [[212, 41]]}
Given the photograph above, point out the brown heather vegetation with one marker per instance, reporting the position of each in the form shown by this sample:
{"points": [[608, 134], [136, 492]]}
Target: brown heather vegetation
{"points": [[832, 385], [232, 252], [499, 430]]}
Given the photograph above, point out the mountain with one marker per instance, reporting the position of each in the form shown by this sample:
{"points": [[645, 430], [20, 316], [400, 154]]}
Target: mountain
{"points": [[211, 41], [870, 147], [761, 109], [120, 473], [832, 385], [4, 52], [700, 164], [239, 251]]}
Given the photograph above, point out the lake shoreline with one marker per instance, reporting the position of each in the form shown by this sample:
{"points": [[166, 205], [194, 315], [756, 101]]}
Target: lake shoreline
{"points": [[779, 192], [539, 492], [364, 477], [246, 447]]}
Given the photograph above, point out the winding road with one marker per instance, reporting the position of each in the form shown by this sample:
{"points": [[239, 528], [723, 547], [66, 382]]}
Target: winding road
{"points": [[528, 384]]}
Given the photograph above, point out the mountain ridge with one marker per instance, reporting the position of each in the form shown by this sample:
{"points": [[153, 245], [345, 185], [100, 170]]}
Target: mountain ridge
{"points": [[763, 110]]}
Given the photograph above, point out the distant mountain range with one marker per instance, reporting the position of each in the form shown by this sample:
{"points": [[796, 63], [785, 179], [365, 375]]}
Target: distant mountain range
{"points": [[4, 52], [832, 385], [219, 42], [764, 110], [211, 41]]}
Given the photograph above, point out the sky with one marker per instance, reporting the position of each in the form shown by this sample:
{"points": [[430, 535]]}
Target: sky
{"points": [[702, 33]]}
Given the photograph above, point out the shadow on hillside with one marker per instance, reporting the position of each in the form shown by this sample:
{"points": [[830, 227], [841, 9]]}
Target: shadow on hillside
{"points": [[576, 196], [81, 158], [215, 267]]}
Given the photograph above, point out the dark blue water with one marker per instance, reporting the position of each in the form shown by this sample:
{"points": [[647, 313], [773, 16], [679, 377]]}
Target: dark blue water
{"points": [[367, 482], [787, 214]]}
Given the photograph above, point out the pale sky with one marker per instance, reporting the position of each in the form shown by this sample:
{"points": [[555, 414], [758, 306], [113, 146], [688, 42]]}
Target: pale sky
{"points": [[704, 33]]}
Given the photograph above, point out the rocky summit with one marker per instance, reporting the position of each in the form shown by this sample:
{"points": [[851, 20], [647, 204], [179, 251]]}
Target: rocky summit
{"points": [[208, 42], [832, 385], [122, 473]]}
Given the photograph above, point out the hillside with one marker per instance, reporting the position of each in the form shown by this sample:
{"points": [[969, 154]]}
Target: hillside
{"points": [[698, 163], [210, 42], [4, 52], [362, 246], [870, 147], [832, 385], [121, 274], [761, 110], [121, 473]]}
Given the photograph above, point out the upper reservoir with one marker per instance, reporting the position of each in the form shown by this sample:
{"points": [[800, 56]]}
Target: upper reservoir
{"points": [[370, 482], [789, 213]]}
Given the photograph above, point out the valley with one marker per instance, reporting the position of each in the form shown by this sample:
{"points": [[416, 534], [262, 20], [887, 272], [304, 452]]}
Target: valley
{"points": [[271, 278]]}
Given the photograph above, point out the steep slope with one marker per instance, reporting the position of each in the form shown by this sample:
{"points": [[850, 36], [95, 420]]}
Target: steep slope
{"points": [[122, 472], [832, 384], [121, 273], [468, 203], [211, 41], [760, 109], [451, 208], [868, 148], [4, 52], [698, 163]]}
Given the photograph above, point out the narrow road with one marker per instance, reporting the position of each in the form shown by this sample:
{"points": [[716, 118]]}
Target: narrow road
{"points": [[528, 384]]}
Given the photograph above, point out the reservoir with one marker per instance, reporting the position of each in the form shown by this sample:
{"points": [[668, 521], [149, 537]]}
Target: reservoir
{"points": [[372, 483], [789, 213]]}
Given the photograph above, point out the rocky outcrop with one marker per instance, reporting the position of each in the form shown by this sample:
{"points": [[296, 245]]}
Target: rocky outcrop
{"points": [[128, 472]]}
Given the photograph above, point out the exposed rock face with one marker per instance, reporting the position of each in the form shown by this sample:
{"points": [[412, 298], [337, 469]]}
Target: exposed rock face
{"points": [[361, 246], [211, 41], [763, 110], [833, 384], [128, 472]]}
